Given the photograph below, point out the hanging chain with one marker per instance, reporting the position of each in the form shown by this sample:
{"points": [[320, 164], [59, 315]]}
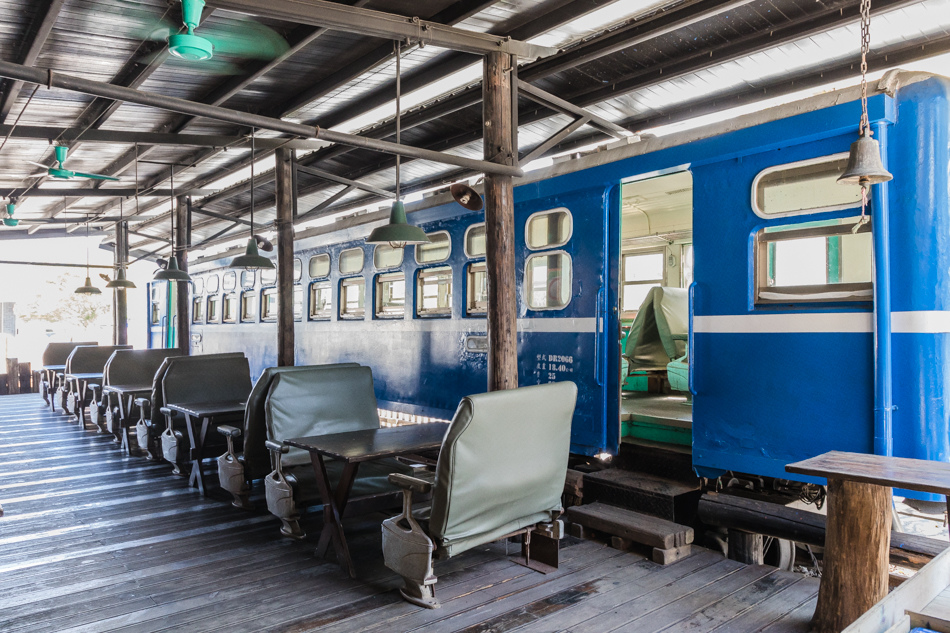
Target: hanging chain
{"points": [[865, 49]]}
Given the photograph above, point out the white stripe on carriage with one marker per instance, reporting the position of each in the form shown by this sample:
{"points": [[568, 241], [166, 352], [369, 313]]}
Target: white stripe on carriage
{"points": [[921, 322], [810, 323], [475, 327]]}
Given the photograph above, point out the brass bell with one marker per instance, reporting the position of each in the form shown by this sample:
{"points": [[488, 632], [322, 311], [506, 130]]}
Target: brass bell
{"points": [[864, 164]]}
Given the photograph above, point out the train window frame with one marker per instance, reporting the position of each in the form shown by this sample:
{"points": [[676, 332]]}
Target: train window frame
{"points": [[758, 209], [215, 281], [230, 315], [468, 231], [266, 294], [327, 313], [248, 279], [249, 306], [213, 316], [390, 311], [652, 283], [376, 251], [197, 309], [536, 214], [438, 312], [229, 281], [360, 313], [198, 285], [526, 286], [298, 303], [355, 271], [471, 310], [830, 292], [265, 283], [298, 270], [319, 256], [154, 306], [422, 247]]}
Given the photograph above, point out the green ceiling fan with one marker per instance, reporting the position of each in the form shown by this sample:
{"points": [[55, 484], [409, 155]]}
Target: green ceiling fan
{"points": [[244, 39], [59, 171], [9, 220]]}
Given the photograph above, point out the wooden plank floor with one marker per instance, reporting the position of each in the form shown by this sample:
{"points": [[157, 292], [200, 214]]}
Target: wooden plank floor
{"points": [[94, 541]]}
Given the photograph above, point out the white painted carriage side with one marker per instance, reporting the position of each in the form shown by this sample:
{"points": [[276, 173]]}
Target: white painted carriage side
{"points": [[464, 326]]}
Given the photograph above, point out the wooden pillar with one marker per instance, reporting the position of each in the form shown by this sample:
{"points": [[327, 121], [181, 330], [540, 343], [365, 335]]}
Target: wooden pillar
{"points": [[857, 547], [121, 336], [746, 547], [285, 257], [500, 225], [182, 290]]}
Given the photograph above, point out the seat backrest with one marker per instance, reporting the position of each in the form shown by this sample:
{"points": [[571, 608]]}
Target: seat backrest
{"points": [[660, 331], [57, 353], [157, 397], [135, 366], [319, 401], [192, 379], [91, 359], [256, 456], [502, 464]]}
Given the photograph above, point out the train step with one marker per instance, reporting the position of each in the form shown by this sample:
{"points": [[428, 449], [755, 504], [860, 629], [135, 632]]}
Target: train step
{"points": [[664, 460], [670, 541], [662, 497]]}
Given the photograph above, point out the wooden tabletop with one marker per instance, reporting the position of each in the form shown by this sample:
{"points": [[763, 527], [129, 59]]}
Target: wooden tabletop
{"points": [[86, 376], [208, 409], [895, 472], [361, 446], [126, 389], [54, 367]]}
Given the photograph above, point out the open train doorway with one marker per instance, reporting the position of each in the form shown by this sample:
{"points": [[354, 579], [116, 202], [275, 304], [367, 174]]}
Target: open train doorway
{"points": [[656, 269]]}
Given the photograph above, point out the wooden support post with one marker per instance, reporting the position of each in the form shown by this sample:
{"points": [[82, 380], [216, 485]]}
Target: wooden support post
{"points": [[746, 547], [121, 299], [182, 240], [285, 257], [500, 225], [854, 574], [13, 376]]}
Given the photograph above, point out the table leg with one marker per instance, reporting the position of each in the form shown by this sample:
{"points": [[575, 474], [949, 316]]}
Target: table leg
{"points": [[197, 449], [334, 503], [857, 545]]}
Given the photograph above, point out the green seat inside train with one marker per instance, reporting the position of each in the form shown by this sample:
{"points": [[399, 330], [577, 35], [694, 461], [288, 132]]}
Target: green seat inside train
{"points": [[319, 401], [657, 339], [501, 469]]}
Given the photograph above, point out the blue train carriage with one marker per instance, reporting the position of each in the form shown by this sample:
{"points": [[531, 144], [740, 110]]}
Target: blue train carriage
{"points": [[778, 346]]}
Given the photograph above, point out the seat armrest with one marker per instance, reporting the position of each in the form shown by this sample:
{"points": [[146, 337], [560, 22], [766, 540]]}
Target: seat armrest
{"points": [[165, 411], [229, 431], [275, 447], [410, 483], [93, 385], [142, 402]]}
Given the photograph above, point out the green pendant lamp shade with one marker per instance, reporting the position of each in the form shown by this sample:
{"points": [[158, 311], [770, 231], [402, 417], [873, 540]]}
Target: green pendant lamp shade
{"points": [[10, 220], [172, 272], [398, 232], [120, 281], [251, 258], [88, 289]]}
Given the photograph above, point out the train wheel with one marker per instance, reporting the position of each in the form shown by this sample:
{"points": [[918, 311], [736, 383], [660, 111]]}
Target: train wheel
{"points": [[779, 553]]}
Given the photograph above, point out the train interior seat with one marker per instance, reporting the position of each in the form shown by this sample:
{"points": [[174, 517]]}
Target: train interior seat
{"points": [[55, 355], [486, 489], [316, 402], [86, 359], [129, 367], [659, 334]]}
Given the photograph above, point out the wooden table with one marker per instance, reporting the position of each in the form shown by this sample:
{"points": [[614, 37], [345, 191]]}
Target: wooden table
{"points": [[207, 412], [52, 372], [81, 380], [353, 448], [857, 540], [126, 395]]}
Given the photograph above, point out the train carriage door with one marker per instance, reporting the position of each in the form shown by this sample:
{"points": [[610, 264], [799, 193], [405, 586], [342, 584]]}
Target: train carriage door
{"points": [[656, 268]]}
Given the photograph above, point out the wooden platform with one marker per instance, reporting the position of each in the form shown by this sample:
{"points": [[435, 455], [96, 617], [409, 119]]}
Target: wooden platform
{"points": [[94, 541]]}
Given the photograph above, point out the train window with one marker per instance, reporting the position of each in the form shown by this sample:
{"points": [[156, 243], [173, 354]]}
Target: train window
{"points": [[155, 306], [298, 303], [807, 186], [268, 276], [213, 308], [249, 306], [434, 292], [391, 295], [549, 229], [476, 300], [229, 309], [269, 304], [298, 270], [230, 281], [641, 271], [437, 250], [385, 256], [321, 305], [320, 266], [351, 261], [198, 285], [814, 261], [475, 245], [197, 310], [247, 278], [213, 283], [548, 278], [352, 291]]}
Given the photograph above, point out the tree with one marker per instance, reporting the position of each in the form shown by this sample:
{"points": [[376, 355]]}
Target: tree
{"points": [[60, 304]]}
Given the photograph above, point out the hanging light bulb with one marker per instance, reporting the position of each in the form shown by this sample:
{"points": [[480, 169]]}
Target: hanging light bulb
{"points": [[398, 232], [864, 160], [87, 288], [120, 281], [252, 258], [172, 272]]}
